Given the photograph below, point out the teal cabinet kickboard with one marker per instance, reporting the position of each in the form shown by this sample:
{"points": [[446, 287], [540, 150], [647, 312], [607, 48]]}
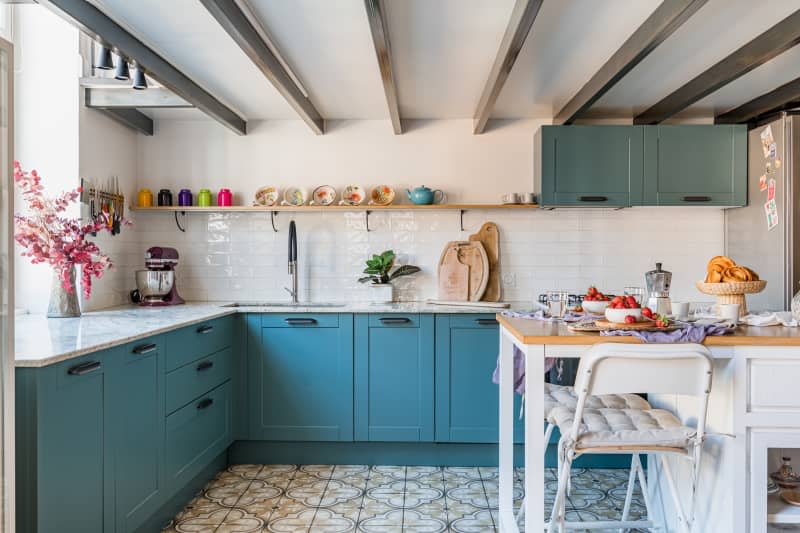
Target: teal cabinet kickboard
{"points": [[623, 166]]}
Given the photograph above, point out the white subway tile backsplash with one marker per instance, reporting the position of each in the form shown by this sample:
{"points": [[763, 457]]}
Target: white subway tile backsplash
{"points": [[238, 256]]}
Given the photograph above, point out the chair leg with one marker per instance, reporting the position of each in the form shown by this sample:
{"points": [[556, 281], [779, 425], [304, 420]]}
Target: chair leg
{"points": [[559, 505], [629, 494], [675, 496], [696, 456], [643, 486]]}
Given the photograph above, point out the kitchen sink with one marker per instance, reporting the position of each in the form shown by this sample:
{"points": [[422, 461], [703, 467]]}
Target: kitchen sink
{"points": [[285, 304]]}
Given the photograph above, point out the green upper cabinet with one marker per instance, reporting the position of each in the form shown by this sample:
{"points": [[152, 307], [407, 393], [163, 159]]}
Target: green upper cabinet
{"points": [[590, 166], [394, 374], [300, 377], [695, 165]]}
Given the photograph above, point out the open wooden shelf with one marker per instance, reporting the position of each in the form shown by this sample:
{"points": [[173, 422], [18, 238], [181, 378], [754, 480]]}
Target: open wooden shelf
{"points": [[278, 208]]}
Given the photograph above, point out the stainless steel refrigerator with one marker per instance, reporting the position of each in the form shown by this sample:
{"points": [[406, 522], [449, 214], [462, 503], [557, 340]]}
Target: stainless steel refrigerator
{"points": [[761, 235]]}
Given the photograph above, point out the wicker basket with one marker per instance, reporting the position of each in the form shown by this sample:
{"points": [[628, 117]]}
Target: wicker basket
{"points": [[732, 292]]}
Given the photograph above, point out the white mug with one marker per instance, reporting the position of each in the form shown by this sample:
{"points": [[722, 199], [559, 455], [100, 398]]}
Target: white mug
{"points": [[510, 198], [680, 310], [729, 312]]}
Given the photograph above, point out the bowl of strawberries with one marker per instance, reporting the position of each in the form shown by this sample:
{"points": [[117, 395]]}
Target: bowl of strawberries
{"points": [[621, 308], [594, 301]]}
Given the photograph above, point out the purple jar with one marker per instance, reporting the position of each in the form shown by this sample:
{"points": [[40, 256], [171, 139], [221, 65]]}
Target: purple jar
{"points": [[185, 198]]}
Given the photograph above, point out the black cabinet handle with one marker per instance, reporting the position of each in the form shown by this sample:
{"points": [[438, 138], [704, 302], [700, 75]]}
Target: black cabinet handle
{"points": [[145, 348], [202, 330], [301, 321], [696, 198], [395, 320], [486, 321], [84, 368], [205, 403], [205, 365], [592, 198]]}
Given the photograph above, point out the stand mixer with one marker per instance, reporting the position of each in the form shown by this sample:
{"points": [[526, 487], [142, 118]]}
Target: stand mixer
{"points": [[156, 285], [658, 282]]}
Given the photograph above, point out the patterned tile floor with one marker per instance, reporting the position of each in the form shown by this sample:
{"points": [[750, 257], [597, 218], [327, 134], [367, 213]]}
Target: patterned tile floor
{"points": [[380, 499]]}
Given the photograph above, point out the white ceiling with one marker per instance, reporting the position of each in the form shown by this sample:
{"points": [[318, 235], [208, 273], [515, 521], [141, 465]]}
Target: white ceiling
{"points": [[444, 49]]}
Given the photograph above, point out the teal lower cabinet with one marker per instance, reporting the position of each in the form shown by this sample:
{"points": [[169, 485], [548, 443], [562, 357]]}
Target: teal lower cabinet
{"points": [[137, 431], [394, 377], [300, 376], [467, 402], [62, 439]]}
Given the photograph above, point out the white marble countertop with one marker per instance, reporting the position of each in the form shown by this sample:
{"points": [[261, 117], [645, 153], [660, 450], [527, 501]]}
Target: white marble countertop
{"points": [[40, 341]]}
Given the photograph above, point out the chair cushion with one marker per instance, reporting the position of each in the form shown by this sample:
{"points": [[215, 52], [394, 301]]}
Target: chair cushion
{"points": [[625, 427], [563, 396]]}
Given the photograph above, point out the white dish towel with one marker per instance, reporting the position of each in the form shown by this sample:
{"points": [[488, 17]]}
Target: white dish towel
{"points": [[769, 318]]}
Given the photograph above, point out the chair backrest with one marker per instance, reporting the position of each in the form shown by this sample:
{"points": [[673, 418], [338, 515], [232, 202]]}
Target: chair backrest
{"points": [[614, 368]]}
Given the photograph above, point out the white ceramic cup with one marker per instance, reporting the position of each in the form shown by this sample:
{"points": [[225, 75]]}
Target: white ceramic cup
{"points": [[729, 312], [680, 310], [510, 198], [527, 197]]}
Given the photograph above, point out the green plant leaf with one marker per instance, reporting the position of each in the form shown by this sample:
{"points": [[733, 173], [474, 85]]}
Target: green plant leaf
{"points": [[405, 270]]}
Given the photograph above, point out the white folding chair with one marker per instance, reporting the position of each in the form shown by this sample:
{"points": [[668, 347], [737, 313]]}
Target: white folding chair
{"points": [[683, 369]]}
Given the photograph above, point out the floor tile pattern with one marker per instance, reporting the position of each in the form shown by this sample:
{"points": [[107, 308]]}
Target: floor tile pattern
{"points": [[381, 499]]}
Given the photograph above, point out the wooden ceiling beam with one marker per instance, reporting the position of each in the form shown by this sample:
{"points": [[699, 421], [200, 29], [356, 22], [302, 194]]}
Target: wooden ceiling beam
{"points": [[774, 41], [522, 18], [376, 14], [784, 97], [667, 17]]}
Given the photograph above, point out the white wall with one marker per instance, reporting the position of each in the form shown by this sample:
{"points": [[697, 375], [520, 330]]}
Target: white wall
{"points": [[238, 256], [46, 122]]}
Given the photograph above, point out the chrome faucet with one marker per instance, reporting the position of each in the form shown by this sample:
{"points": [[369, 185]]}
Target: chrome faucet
{"points": [[293, 261]]}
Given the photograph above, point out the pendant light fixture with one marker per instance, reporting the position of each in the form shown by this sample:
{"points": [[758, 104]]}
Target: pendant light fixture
{"points": [[122, 72], [139, 81], [104, 61]]}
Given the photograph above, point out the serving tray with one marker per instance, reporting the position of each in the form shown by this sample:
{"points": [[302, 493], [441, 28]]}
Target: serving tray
{"points": [[605, 325]]}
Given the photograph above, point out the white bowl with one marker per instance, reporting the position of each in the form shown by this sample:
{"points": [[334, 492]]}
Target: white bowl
{"points": [[594, 306], [618, 315]]}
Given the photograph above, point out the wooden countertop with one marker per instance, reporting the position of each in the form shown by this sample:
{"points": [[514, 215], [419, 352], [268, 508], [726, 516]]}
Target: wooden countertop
{"points": [[540, 332]]}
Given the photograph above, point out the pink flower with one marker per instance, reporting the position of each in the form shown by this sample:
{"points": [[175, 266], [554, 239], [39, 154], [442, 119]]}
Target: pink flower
{"points": [[50, 238]]}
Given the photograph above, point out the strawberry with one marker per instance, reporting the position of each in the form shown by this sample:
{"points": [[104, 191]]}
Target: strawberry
{"points": [[630, 319], [592, 291], [646, 312], [660, 323], [616, 300]]}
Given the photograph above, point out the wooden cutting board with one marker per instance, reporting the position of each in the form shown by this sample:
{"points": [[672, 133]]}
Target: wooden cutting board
{"points": [[646, 325], [489, 236], [453, 276], [473, 256]]}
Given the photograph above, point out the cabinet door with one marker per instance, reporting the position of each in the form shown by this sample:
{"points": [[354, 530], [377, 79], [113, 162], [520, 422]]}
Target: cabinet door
{"points": [[591, 165], [61, 442], [137, 405], [394, 397], [696, 165], [466, 399], [301, 378]]}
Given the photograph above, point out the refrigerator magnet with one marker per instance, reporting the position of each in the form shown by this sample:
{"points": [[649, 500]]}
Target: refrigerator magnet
{"points": [[771, 190], [766, 140], [771, 210], [777, 164], [762, 182], [773, 151]]}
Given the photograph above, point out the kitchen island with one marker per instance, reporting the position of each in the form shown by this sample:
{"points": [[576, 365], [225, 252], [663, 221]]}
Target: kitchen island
{"points": [[753, 408]]}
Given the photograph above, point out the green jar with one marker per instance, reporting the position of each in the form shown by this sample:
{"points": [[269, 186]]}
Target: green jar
{"points": [[204, 198]]}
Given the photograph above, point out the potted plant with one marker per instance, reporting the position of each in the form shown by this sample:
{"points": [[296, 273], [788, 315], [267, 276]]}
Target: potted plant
{"points": [[380, 275], [47, 236]]}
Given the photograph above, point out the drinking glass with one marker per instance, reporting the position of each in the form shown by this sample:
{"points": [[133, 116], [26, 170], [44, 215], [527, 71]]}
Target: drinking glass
{"points": [[636, 292], [557, 303]]}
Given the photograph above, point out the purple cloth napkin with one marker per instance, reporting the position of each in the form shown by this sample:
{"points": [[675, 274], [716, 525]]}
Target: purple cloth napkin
{"points": [[519, 372], [691, 333]]}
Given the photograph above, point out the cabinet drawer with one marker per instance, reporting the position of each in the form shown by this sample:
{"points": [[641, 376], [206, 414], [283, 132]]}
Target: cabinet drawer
{"points": [[483, 320], [773, 385], [199, 340], [394, 320], [301, 320], [196, 434], [190, 381]]}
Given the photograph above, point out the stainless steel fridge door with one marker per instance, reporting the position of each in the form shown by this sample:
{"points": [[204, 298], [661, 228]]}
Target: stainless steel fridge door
{"points": [[748, 241]]}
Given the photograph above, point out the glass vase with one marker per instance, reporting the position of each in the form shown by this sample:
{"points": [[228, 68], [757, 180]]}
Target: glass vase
{"points": [[63, 304]]}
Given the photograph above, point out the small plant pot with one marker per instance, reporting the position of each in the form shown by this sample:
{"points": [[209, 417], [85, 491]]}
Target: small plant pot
{"points": [[381, 293]]}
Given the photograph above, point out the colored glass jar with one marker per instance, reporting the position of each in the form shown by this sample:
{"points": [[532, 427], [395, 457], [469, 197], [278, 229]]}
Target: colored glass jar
{"points": [[145, 198], [185, 198], [204, 198], [164, 198], [225, 198]]}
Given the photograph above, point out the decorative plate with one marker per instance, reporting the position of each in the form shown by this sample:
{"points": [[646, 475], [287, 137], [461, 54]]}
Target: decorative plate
{"points": [[323, 195], [381, 195], [792, 497], [267, 196], [352, 195], [294, 196], [785, 482]]}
